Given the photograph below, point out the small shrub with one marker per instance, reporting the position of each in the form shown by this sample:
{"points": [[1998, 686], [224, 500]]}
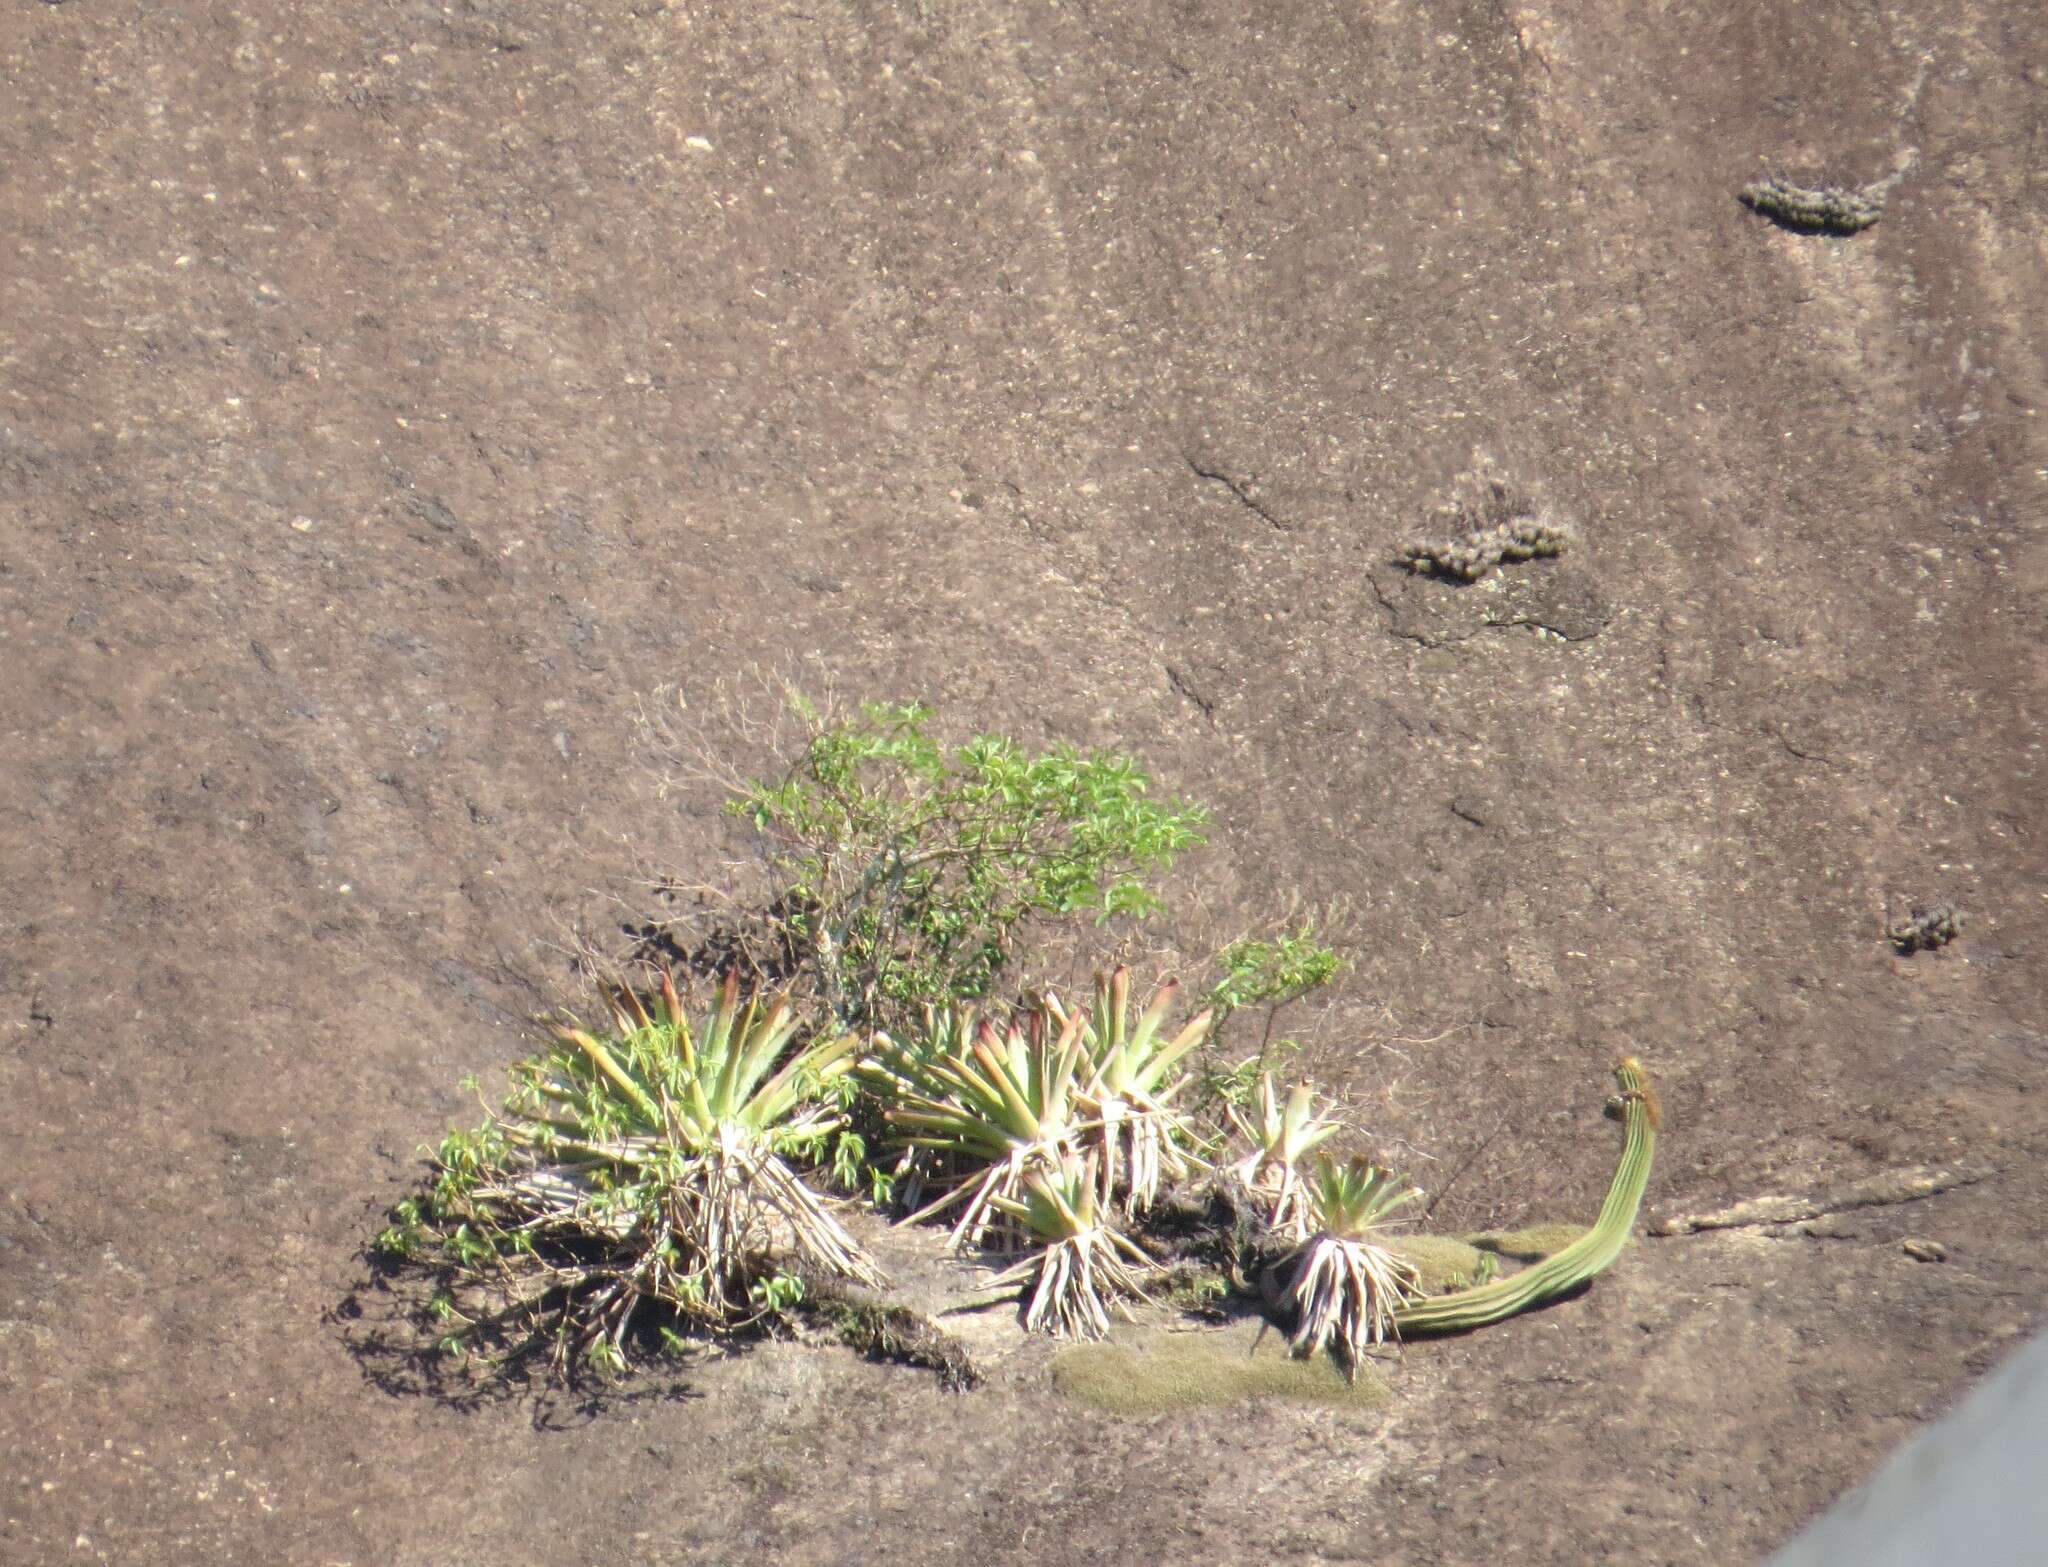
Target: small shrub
{"points": [[1257, 972], [907, 869], [1260, 973]]}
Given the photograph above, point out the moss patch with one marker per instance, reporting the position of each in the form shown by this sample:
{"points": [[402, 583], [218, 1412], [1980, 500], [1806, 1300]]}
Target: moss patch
{"points": [[1445, 1263], [1149, 1371], [1530, 1244], [1197, 1290]]}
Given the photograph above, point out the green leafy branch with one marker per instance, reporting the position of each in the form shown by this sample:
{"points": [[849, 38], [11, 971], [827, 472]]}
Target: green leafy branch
{"points": [[911, 866]]}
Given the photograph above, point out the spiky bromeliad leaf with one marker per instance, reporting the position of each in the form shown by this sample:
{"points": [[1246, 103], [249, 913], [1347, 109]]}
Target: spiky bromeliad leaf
{"points": [[1636, 1107], [1344, 1286], [654, 1076], [993, 1113], [1132, 1077], [894, 1067], [1282, 1137], [1085, 1268]]}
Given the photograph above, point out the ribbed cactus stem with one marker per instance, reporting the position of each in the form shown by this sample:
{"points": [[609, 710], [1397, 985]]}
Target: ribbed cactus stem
{"points": [[1564, 1271]]}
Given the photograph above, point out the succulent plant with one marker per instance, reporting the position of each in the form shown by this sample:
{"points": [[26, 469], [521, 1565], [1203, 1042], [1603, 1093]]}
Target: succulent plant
{"points": [[1084, 1268], [1343, 1285], [1281, 1138], [1132, 1078], [979, 1107], [646, 1164], [988, 1113]]}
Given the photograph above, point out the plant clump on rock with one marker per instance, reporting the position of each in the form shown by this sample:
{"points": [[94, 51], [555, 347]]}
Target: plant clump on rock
{"points": [[1504, 526], [665, 1179], [1925, 928], [1083, 1267], [1814, 209], [645, 1171], [1281, 1136], [1005, 1119], [1342, 1283]]}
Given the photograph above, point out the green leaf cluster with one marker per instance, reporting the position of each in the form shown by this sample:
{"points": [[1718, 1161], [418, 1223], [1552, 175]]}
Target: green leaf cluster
{"points": [[913, 864], [1259, 972], [982, 1108]]}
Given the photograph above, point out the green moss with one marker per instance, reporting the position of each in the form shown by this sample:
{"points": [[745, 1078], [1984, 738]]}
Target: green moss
{"points": [[1152, 1372], [1444, 1262], [1199, 1291], [1530, 1244]]}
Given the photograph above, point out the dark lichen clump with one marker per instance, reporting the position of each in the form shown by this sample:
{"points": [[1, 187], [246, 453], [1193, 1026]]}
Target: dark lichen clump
{"points": [[1505, 526], [906, 1337], [1925, 928], [1823, 209]]}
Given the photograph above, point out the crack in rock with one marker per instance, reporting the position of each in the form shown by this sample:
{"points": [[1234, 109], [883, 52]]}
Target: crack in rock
{"points": [[1240, 488], [1561, 606]]}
